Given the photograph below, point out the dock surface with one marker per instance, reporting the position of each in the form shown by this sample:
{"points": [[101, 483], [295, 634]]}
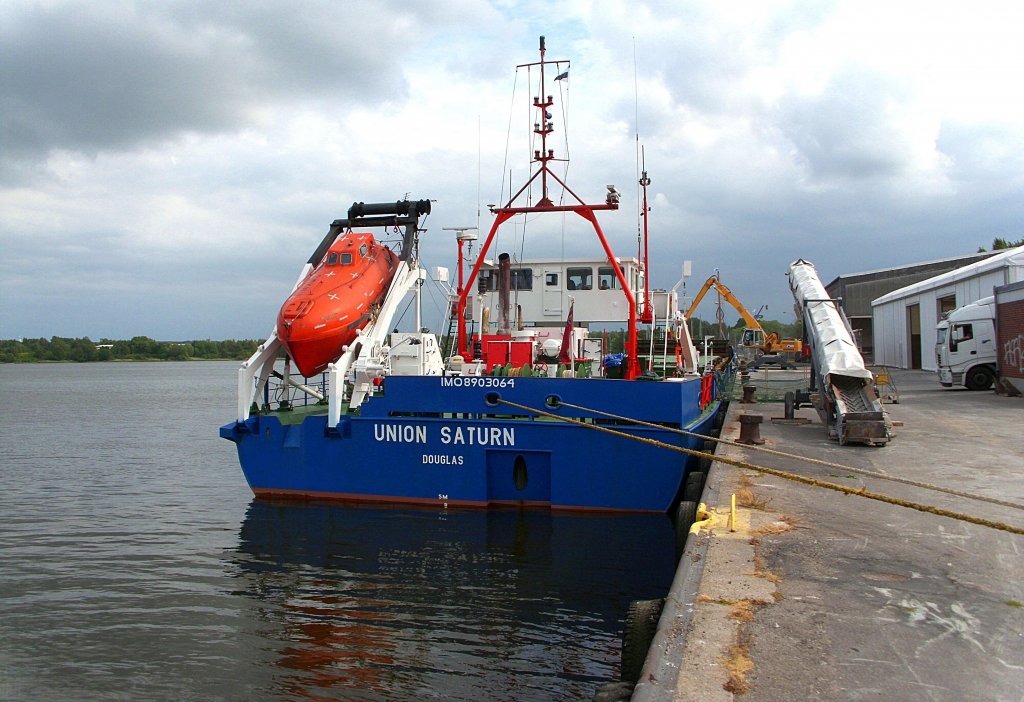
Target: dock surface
{"points": [[821, 595]]}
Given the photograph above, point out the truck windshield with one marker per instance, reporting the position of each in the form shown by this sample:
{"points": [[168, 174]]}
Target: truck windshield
{"points": [[940, 336]]}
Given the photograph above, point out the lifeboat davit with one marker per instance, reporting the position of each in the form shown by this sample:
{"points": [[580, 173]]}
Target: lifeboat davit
{"points": [[335, 300]]}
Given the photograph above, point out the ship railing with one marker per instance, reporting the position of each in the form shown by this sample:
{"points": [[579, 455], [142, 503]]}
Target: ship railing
{"points": [[279, 395]]}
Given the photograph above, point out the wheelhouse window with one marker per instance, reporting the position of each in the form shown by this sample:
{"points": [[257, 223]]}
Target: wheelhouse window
{"points": [[606, 279], [551, 279], [346, 258], [363, 250], [522, 278], [579, 278], [332, 259]]}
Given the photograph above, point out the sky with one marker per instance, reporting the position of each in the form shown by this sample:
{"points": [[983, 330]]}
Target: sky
{"points": [[167, 167]]}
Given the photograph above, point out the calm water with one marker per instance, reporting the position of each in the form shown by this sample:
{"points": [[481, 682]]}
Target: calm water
{"points": [[134, 564]]}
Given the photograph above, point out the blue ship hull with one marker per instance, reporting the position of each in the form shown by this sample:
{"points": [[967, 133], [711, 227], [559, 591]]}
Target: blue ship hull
{"points": [[453, 441]]}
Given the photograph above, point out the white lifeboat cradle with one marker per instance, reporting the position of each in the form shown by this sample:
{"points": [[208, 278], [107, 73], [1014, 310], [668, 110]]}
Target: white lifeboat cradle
{"points": [[357, 371]]}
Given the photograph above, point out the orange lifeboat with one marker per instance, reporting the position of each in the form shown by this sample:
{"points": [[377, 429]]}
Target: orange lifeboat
{"points": [[335, 300]]}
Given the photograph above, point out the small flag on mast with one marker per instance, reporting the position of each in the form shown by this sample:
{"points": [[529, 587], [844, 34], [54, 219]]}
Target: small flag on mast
{"points": [[563, 75]]}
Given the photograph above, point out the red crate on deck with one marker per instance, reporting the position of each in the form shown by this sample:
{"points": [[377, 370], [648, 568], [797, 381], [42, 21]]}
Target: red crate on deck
{"points": [[502, 350]]}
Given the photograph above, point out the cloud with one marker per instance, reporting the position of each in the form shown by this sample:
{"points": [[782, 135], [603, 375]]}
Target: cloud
{"points": [[856, 128], [97, 76]]}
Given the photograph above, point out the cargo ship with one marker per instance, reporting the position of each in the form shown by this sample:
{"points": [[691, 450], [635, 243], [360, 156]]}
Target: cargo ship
{"points": [[526, 407]]}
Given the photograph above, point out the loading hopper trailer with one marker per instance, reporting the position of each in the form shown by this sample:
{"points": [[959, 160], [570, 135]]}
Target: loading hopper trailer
{"points": [[842, 388]]}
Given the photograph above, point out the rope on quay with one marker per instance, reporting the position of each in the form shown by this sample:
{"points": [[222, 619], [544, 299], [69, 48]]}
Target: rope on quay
{"points": [[807, 459], [862, 492]]}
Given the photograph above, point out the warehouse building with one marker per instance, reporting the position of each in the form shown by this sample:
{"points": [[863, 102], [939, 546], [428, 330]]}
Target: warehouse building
{"points": [[903, 321], [855, 291]]}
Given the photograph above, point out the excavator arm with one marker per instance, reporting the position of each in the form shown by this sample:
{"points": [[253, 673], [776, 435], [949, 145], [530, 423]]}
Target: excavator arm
{"points": [[754, 335], [713, 281], [700, 296]]}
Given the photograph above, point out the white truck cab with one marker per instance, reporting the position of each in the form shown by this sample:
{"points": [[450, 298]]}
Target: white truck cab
{"points": [[965, 346]]}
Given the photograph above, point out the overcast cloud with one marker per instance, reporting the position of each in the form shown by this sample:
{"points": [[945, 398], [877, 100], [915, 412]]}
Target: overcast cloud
{"points": [[166, 167]]}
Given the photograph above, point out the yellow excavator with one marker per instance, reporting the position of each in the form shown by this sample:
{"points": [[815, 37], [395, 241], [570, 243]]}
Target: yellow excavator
{"points": [[754, 336]]}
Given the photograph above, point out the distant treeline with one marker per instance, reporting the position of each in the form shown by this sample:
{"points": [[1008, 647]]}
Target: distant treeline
{"points": [[142, 348], [999, 243], [139, 348]]}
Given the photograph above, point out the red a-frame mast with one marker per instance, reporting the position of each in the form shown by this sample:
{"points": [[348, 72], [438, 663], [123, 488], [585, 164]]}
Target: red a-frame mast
{"points": [[543, 157]]}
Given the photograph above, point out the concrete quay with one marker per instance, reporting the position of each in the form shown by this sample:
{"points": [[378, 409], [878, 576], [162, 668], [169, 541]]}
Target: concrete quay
{"points": [[821, 595]]}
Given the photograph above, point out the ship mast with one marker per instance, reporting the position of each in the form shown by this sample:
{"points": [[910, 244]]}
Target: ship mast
{"points": [[543, 126], [647, 316]]}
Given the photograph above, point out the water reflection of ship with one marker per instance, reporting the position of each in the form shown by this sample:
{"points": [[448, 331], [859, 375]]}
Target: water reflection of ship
{"points": [[389, 602]]}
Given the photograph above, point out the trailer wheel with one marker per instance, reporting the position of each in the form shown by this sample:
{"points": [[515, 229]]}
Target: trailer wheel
{"points": [[790, 401], [978, 378]]}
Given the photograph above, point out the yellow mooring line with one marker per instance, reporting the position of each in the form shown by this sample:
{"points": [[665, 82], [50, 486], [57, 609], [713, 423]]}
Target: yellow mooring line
{"points": [[806, 459], [961, 516]]}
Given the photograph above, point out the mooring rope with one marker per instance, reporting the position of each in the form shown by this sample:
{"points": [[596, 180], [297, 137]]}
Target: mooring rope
{"points": [[806, 459], [862, 492]]}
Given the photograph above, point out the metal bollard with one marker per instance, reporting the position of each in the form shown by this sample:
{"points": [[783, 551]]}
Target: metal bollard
{"points": [[750, 430], [748, 394]]}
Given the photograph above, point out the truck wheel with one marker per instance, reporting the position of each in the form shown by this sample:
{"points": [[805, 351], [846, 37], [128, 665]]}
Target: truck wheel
{"points": [[978, 378]]}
